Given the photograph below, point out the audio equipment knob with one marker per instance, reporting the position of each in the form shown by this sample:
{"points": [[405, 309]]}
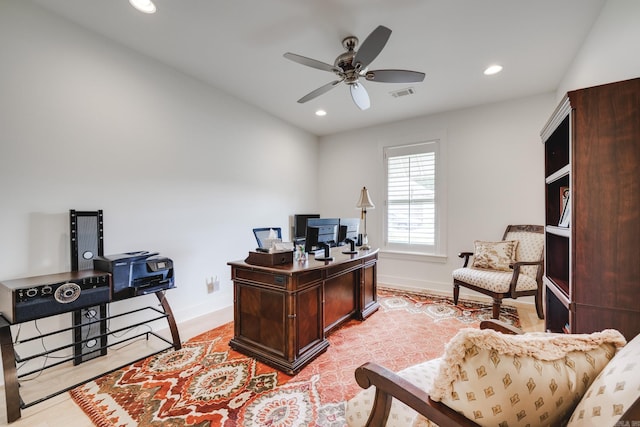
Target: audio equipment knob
{"points": [[67, 292], [46, 290], [32, 292]]}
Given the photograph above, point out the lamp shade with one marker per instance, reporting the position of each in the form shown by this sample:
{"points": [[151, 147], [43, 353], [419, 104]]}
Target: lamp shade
{"points": [[365, 200]]}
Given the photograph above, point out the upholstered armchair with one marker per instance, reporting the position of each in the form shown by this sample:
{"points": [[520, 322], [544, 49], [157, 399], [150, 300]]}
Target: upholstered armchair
{"points": [[491, 378], [509, 268]]}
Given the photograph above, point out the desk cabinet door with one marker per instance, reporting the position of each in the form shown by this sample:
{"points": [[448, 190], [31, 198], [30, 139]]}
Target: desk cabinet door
{"points": [[340, 299], [309, 319], [369, 291], [260, 317], [368, 297]]}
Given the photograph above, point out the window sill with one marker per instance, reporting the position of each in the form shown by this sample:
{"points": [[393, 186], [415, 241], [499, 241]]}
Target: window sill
{"points": [[412, 256]]}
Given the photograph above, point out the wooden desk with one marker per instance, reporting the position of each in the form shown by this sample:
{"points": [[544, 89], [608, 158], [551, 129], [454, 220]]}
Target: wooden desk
{"points": [[283, 314]]}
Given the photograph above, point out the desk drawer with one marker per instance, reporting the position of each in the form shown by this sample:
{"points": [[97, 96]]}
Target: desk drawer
{"points": [[308, 278], [259, 277], [343, 268]]}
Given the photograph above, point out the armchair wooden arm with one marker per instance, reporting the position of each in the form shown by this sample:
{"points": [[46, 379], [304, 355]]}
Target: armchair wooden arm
{"points": [[466, 256], [516, 272], [389, 385]]}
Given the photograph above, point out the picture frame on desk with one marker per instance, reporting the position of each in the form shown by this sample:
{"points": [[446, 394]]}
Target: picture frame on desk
{"points": [[565, 216]]}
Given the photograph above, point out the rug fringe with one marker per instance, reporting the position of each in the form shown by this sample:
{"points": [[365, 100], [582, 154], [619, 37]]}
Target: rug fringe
{"points": [[90, 408]]}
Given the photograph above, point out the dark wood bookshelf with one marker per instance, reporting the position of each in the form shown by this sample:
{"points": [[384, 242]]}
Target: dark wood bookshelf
{"points": [[592, 265]]}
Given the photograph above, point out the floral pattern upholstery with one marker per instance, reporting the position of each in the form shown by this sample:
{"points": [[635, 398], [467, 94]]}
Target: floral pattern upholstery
{"points": [[531, 379], [496, 281], [613, 391], [400, 415], [494, 255], [530, 248]]}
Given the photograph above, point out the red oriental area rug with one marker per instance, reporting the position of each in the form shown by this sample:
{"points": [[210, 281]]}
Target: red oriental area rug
{"points": [[206, 383]]}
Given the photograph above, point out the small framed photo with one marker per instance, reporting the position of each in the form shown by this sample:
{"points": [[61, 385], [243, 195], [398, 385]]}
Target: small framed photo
{"points": [[565, 217]]}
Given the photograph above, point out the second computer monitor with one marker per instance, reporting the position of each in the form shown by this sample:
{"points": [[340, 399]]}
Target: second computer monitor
{"points": [[300, 224], [349, 228]]}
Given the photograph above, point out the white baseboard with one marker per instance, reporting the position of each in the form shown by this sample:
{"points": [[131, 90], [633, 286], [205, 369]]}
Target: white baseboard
{"points": [[200, 324]]}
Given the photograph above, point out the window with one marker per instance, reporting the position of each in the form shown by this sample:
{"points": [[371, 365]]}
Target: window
{"points": [[412, 217]]}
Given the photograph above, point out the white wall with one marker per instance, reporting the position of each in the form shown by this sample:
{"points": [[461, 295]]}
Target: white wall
{"points": [[494, 177], [177, 166], [610, 52], [494, 154]]}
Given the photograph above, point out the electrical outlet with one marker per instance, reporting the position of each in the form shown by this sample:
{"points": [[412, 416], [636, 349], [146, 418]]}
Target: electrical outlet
{"points": [[213, 284]]}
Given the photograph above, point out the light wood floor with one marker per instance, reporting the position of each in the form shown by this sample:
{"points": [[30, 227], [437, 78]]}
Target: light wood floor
{"points": [[62, 411]]}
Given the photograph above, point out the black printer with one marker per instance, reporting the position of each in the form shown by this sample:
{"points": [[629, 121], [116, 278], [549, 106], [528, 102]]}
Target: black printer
{"points": [[136, 273]]}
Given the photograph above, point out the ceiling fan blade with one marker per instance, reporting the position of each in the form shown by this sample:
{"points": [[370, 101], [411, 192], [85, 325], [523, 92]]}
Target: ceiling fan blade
{"points": [[319, 91], [360, 96], [312, 62], [372, 46], [394, 76]]}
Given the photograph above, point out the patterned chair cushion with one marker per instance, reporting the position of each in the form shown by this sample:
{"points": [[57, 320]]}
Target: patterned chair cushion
{"points": [[400, 415], [519, 380], [530, 248], [496, 281], [494, 255], [613, 391]]}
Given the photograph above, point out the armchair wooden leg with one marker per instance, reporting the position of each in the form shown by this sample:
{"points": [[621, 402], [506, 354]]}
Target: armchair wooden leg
{"points": [[539, 308], [456, 293], [496, 308]]}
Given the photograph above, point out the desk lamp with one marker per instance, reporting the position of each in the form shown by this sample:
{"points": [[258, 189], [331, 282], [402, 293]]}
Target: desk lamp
{"points": [[364, 203]]}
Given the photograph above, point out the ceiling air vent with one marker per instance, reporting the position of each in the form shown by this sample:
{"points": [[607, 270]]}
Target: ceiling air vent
{"points": [[403, 92]]}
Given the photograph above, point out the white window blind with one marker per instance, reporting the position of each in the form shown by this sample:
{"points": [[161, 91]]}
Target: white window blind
{"points": [[411, 205]]}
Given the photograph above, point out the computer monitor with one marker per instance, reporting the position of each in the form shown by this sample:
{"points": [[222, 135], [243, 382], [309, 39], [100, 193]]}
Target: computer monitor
{"points": [[321, 237], [349, 228], [321, 230], [300, 224]]}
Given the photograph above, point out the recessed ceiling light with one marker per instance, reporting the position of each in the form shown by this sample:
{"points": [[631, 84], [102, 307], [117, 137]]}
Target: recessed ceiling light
{"points": [[493, 69], [145, 6], [321, 113]]}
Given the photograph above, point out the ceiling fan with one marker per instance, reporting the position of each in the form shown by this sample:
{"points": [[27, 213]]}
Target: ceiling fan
{"points": [[352, 65]]}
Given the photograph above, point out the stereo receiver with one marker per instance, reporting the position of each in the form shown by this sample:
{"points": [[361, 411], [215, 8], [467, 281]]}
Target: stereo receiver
{"points": [[41, 296]]}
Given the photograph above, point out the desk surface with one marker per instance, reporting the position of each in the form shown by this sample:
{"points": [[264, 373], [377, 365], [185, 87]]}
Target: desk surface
{"points": [[310, 263]]}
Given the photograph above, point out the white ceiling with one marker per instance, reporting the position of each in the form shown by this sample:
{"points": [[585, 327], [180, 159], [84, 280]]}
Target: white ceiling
{"points": [[237, 46]]}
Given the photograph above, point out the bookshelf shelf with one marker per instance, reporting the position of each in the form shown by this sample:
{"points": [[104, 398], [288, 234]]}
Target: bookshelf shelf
{"points": [[558, 231]]}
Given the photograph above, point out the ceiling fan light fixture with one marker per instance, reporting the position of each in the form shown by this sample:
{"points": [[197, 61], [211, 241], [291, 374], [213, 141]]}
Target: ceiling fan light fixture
{"points": [[492, 69], [360, 96], [145, 6], [321, 113]]}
